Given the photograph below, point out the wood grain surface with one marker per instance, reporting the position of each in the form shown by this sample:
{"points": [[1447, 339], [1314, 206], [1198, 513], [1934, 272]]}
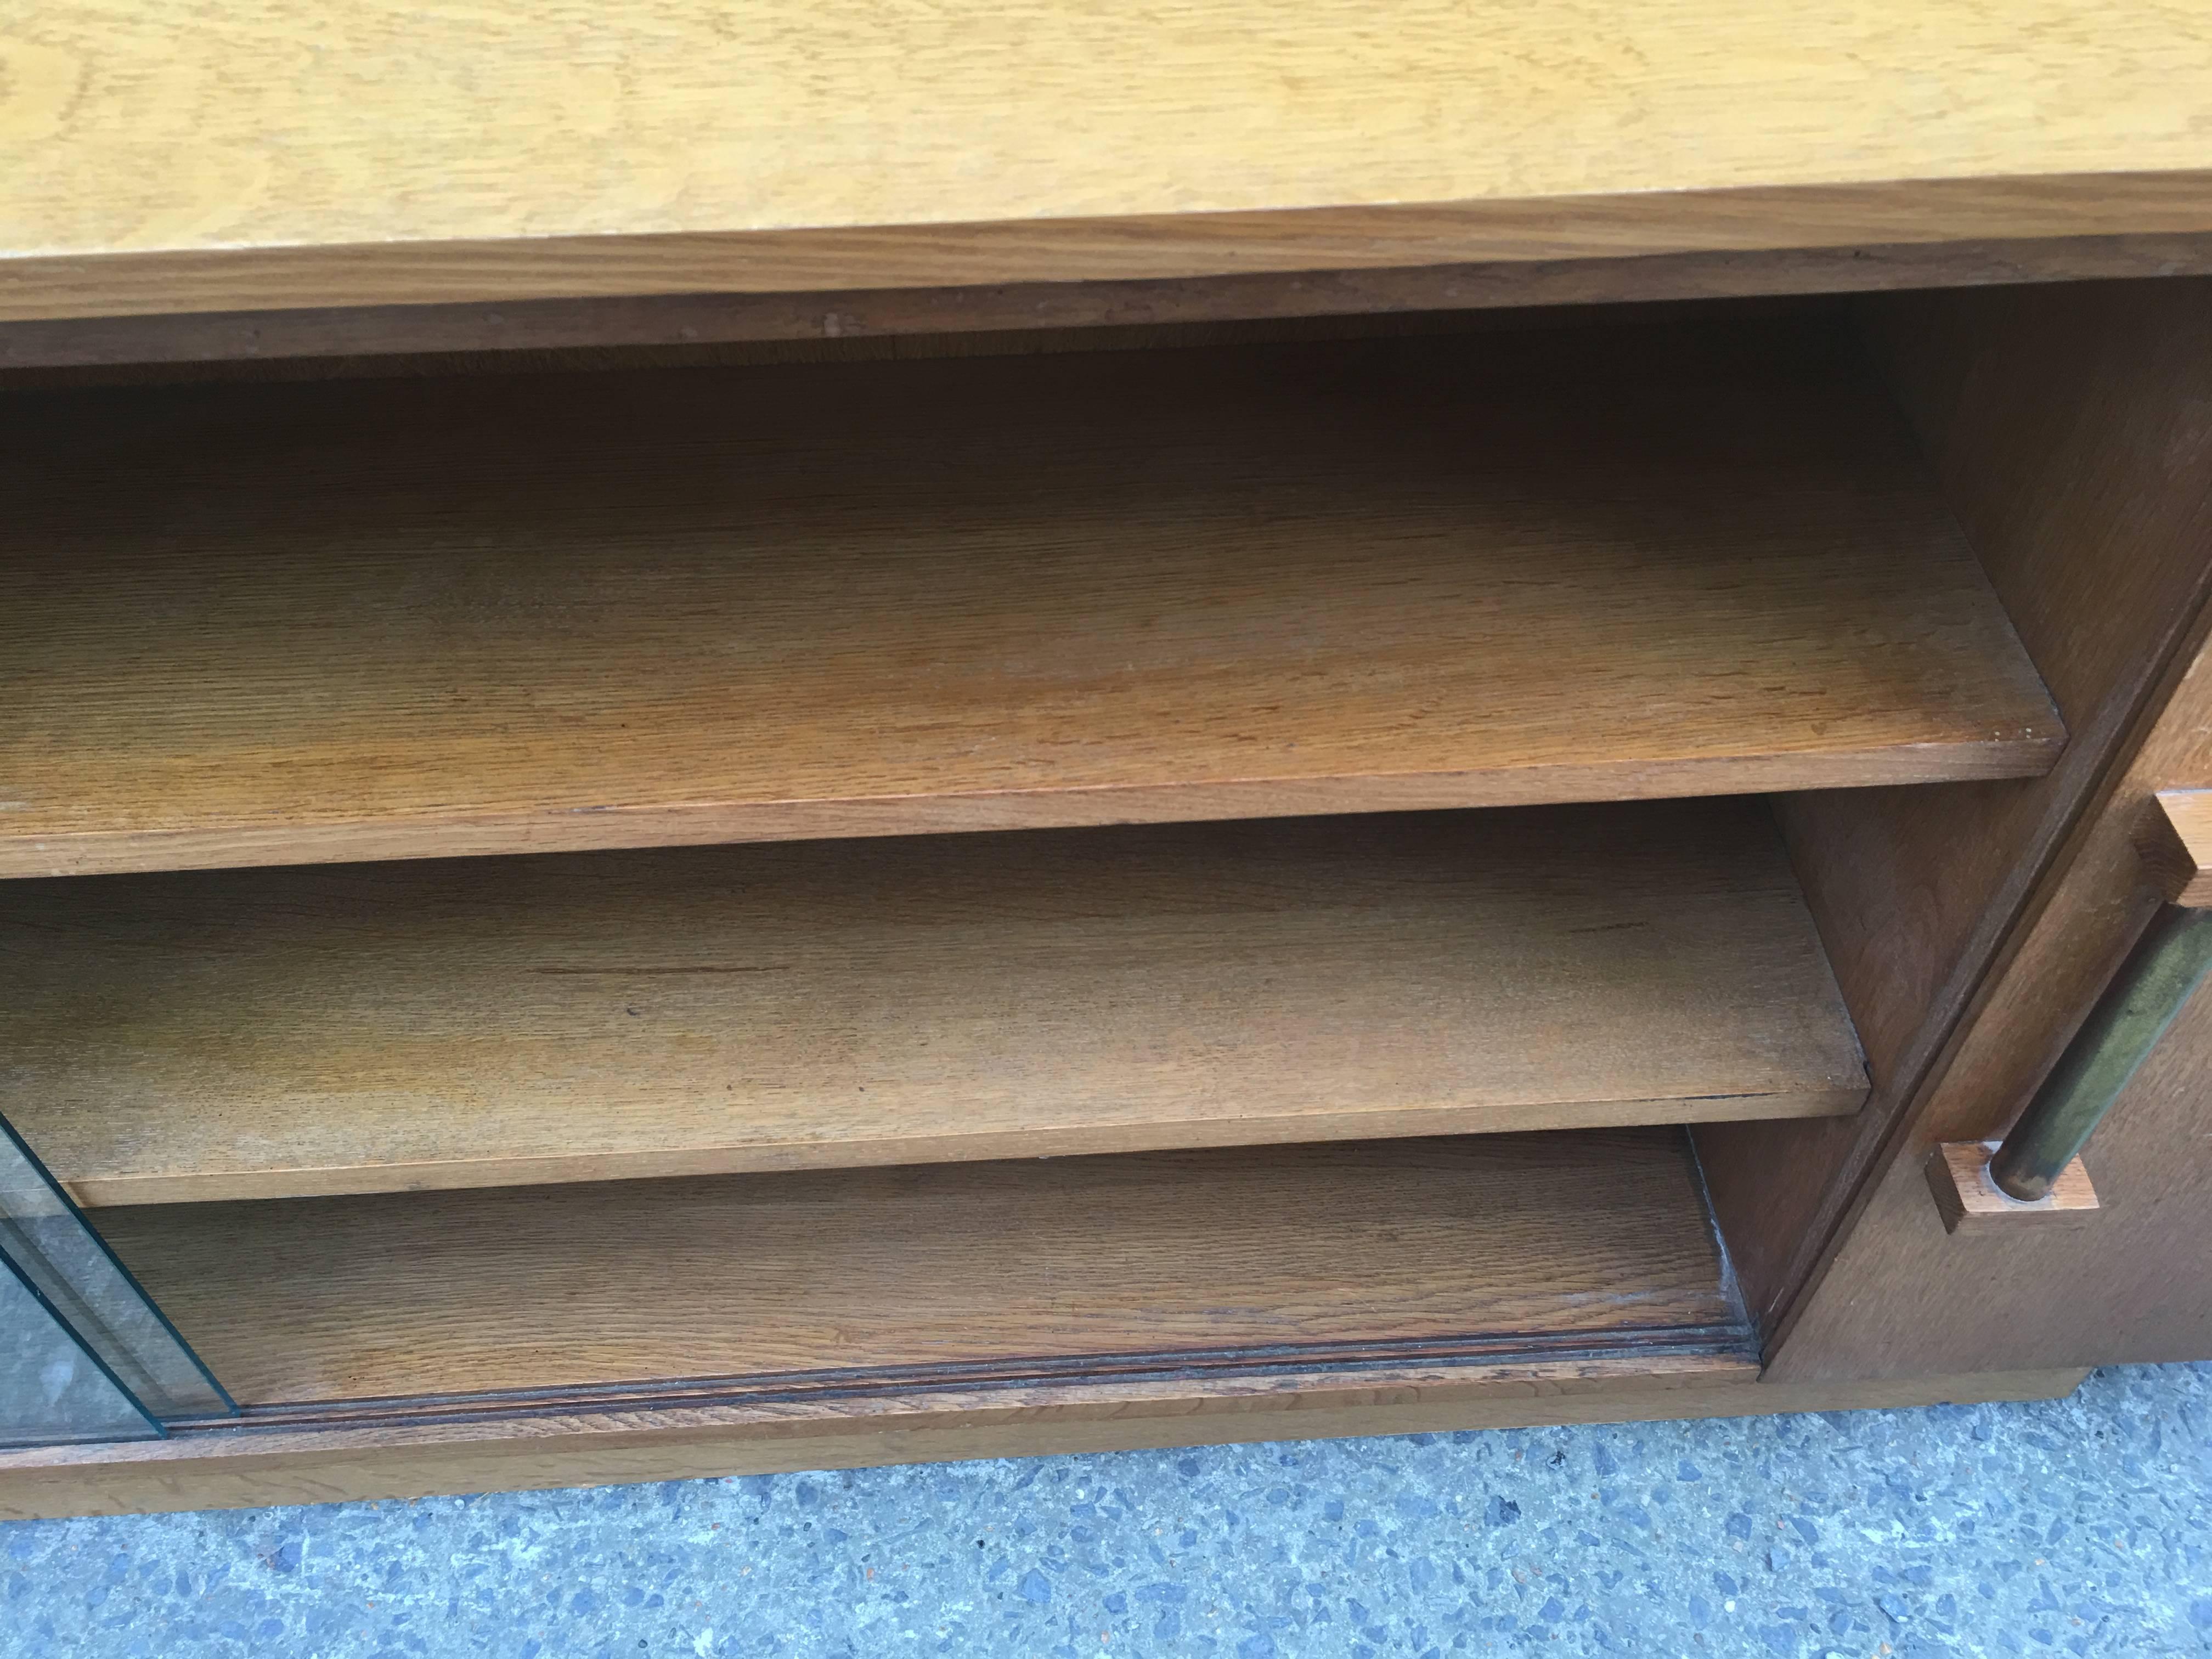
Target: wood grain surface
{"points": [[526, 1451], [951, 1272], [386, 619], [272, 153], [372, 1028]]}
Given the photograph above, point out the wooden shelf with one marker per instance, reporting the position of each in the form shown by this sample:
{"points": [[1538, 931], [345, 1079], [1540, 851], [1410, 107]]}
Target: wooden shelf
{"points": [[1574, 1247], [373, 1027], [320, 154], [398, 618]]}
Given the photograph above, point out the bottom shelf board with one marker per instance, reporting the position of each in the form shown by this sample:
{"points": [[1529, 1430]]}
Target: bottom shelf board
{"points": [[1235, 1264], [298, 1032]]}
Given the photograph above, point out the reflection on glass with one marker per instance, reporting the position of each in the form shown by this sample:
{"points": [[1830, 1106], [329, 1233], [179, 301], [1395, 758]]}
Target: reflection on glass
{"points": [[59, 1261], [52, 1388]]}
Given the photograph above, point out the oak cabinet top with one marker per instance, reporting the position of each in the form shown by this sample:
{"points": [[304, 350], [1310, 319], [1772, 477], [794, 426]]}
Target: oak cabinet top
{"points": [[261, 154]]}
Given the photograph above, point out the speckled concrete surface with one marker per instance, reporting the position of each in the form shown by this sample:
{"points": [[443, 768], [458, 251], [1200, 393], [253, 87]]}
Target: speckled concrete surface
{"points": [[2073, 1527]]}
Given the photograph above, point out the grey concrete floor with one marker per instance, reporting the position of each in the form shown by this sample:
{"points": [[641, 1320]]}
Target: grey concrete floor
{"points": [[2068, 1526]]}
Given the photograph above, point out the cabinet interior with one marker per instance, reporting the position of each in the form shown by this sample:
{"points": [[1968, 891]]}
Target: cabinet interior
{"points": [[1237, 852]]}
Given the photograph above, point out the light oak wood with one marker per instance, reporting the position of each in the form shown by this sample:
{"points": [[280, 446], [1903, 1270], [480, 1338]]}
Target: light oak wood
{"points": [[393, 619], [2175, 842], [383, 1027], [1971, 1203], [274, 153], [221, 1469], [1509, 1246], [2067, 424]]}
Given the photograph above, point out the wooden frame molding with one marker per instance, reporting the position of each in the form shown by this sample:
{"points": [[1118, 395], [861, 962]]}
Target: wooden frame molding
{"points": [[1758, 219], [255, 1465], [811, 316]]}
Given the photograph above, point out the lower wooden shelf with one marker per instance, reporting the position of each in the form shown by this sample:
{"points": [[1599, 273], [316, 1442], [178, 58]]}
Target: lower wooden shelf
{"points": [[278, 1033], [645, 1331], [1349, 1261]]}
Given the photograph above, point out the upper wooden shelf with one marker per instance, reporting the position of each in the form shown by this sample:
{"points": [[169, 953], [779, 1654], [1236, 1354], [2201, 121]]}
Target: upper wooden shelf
{"points": [[399, 618], [309, 153], [375, 1027]]}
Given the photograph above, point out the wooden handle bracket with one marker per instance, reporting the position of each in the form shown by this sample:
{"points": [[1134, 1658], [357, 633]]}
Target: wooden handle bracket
{"points": [[2037, 1169]]}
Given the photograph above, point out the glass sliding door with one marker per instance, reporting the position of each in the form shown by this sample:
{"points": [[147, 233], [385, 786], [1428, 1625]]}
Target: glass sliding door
{"points": [[52, 1388], [84, 1354]]}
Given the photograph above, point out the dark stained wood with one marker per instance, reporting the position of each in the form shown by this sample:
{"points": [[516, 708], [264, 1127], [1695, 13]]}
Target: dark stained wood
{"points": [[2068, 427], [551, 351], [368, 1028], [384, 619], [1499, 1246], [1009, 310]]}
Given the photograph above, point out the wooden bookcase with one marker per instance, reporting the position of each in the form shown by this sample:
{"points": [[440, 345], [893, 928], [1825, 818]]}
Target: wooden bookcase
{"points": [[683, 795]]}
